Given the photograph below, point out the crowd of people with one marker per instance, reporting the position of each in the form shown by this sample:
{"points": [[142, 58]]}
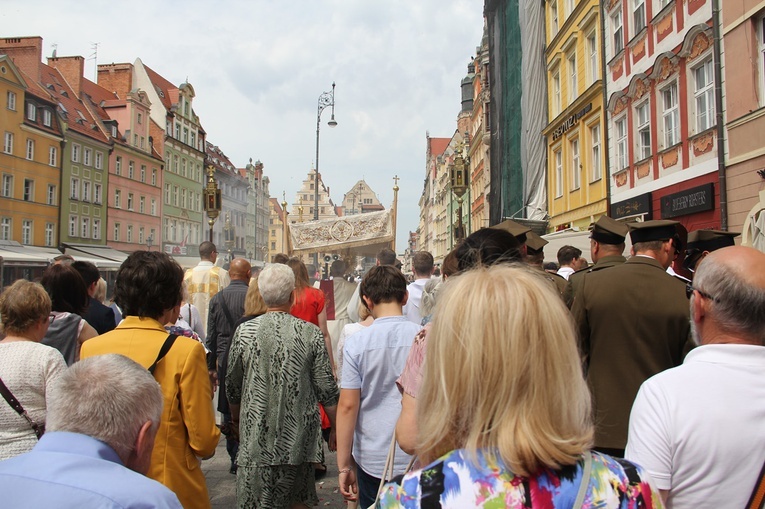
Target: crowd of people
{"points": [[631, 382]]}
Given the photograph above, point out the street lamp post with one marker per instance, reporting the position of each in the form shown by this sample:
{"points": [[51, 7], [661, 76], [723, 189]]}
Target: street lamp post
{"points": [[458, 173], [212, 199], [325, 99], [149, 242]]}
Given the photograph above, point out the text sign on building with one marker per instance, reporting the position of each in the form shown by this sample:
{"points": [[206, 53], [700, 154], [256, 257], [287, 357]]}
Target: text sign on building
{"points": [[570, 122], [690, 201], [639, 205]]}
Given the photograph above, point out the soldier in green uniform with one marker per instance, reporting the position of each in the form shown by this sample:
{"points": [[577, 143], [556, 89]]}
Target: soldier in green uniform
{"points": [[703, 242], [633, 322], [535, 256], [606, 249]]}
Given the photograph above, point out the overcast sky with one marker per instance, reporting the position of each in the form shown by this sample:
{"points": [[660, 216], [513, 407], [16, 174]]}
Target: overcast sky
{"points": [[258, 68]]}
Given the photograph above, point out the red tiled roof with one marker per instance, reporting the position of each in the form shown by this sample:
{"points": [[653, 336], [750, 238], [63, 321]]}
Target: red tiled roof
{"points": [[219, 160], [277, 208], [77, 116], [438, 145], [164, 85]]}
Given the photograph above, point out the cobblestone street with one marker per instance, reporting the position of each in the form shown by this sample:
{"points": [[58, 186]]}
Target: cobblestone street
{"points": [[222, 485]]}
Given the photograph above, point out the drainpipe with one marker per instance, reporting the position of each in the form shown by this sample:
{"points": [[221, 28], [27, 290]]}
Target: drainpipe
{"points": [[605, 138], [719, 115]]}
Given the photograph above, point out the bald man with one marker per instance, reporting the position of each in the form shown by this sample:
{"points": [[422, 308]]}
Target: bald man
{"points": [[226, 308], [691, 426]]}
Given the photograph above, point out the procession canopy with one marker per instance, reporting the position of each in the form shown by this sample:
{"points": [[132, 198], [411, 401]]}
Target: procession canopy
{"points": [[364, 234]]}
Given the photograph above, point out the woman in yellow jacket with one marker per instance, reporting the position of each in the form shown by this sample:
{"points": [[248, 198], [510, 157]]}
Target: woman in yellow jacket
{"points": [[148, 289]]}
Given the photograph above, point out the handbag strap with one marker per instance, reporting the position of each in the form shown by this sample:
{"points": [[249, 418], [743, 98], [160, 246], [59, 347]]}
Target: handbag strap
{"points": [[758, 493], [390, 465], [11, 399], [163, 351], [584, 481]]}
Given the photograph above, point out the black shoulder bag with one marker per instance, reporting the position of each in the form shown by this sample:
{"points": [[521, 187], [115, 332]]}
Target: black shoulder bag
{"points": [[11, 399], [163, 351]]}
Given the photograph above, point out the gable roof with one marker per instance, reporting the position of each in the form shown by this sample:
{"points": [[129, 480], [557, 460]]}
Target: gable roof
{"points": [[438, 145], [167, 91]]}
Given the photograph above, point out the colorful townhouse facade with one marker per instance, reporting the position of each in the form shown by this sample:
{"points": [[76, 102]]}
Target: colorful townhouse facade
{"points": [[432, 225], [577, 184], [234, 193], [662, 111], [30, 161], [258, 212], [480, 139], [743, 31], [277, 237]]}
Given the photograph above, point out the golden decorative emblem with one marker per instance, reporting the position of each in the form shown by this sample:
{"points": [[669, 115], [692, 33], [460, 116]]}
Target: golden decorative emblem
{"points": [[341, 230]]}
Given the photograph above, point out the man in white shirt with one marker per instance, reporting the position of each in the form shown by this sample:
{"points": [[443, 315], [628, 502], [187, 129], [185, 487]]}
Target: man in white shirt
{"points": [[422, 266], [568, 260], [697, 428]]}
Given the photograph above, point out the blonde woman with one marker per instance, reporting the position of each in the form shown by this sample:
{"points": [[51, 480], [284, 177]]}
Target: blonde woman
{"points": [[504, 410]]}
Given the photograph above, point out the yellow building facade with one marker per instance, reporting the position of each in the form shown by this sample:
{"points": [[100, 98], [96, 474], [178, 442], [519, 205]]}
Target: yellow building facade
{"points": [[577, 177], [30, 161]]}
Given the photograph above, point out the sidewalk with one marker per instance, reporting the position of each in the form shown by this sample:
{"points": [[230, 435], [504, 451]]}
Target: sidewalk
{"points": [[222, 485]]}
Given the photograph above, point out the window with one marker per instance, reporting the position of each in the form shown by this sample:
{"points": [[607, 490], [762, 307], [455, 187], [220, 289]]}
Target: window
{"points": [[118, 166], [7, 186], [273, 246], [177, 131], [142, 204], [5, 228], [185, 135], [52, 156], [638, 15], [87, 156], [173, 229], [131, 170], [130, 233], [97, 194], [193, 139], [643, 114], [72, 226], [85, 190], [143, 173], [8, 146], [175, 196], [704, 94], [31, 112], [175, 164], [154, 176], [595, 162], [592, 60], [135, 140], [49, 233], [570, 6], [85, 228], [153, 207], [572, 79], [99, 160], [183, 198], [75, 153], [117, 198], [558, 174], [116, 232], [96, 228], [553, 18], [30, 149], [130, 201], [167, 228], [51, 194], [47, 117], [575, 165], [167, 194], [11, 100], [671, 115], [617, 30], [183, 167], [26, 232], [621, 143], [29, 190], [74, 190], [140, 235], [140, 118], [556, 106]]}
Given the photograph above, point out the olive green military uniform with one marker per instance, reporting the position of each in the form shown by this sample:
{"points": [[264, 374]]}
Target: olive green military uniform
{"points": [[633, 321], [577, 278]]}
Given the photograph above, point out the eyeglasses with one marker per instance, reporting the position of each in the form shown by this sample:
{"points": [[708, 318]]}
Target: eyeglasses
{"points": [[51, 317], [689, 291]]}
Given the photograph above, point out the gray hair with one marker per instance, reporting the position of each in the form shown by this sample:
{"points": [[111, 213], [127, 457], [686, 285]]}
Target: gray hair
{"points": [[107, 397], [276, 282], [738, 306], [429, 296]]}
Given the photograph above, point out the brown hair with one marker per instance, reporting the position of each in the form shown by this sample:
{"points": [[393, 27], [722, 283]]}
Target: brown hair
{"points": [[22, 305]]}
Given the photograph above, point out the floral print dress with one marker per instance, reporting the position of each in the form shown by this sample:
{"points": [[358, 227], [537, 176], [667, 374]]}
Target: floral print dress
{"points": [[454, 481]]}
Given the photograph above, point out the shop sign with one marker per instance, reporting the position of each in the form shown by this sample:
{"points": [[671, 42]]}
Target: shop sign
{"points": [[690, 201], [639, 205], [570, 122], [174, 249]]}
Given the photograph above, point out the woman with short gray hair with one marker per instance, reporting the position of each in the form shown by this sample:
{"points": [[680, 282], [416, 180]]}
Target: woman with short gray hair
{"points": [[278, 372]]}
